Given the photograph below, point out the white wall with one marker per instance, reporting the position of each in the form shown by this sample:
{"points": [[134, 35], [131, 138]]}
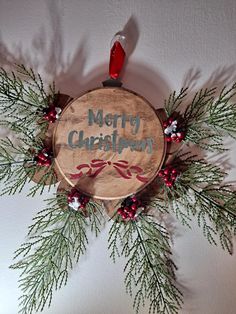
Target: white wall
{"points": [[177, 42]]}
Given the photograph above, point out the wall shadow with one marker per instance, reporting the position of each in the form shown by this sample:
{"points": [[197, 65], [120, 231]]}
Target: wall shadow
{"points": [[70, 78]]}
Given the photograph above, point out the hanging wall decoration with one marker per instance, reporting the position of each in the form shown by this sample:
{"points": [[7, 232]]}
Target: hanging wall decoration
{"points": [[110, 151]]}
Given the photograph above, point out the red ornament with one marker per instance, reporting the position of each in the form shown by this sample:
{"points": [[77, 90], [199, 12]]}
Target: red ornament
{"points": [[168, 175], [129, 208], [77, 200], [52, 113], [172, 131], [117, 58], [43, 158]]}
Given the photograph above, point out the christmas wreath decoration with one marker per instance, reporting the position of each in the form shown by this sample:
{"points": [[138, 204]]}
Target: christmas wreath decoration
{"points": [[135, 174]]}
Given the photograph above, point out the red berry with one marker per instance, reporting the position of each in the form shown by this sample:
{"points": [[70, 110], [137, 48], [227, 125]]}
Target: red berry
{"points": [[134, 199], [69, 198], [169, 184], [120, 211], [174, 171], [166, 171], [131, 214], [165, 124], [39, 163], [161, 173], [168, 139], [126, 209], [173, 176], [170, 120], [47, 163], [134, 207], [41, 156], [124, 215], [82, 206], [52, 120], [181, 135], [52, 113]]}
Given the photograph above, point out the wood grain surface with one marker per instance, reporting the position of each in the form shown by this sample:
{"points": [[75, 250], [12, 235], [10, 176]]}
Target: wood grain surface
{"points": [[105, 170]]}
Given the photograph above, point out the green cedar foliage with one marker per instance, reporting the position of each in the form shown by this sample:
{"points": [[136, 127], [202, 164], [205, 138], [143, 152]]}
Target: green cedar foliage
{"points": [[56, 240]]}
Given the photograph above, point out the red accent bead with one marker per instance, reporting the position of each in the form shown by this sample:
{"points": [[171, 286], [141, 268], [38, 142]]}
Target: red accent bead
{"points": [[134, 207], [131, 214], [52, 113], [173, 176], [69, 198], [181, 135], [161, 173], [120, 211], [47, 163], [166, 171], [52, 119], [174, 171], [126, 209], [165, 124], [41, 156], [39, 163], [124, 215], [170, 120], [117, 58]]}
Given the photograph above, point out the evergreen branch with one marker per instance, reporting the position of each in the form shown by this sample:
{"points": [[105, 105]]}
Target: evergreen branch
{"points": [[207, 118], [174, 101], [18, 168], [22, 100], [56, 240], [199, 191], [149, 269]]}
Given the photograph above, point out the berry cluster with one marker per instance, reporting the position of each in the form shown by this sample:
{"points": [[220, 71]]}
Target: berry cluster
{"points": [[169, 175], [172, 131], [43, 158], [52, 113], [130, 207], [77, 200]]}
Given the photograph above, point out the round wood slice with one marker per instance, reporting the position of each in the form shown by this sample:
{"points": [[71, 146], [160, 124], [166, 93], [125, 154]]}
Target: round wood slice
{"points": [[109, 143]]}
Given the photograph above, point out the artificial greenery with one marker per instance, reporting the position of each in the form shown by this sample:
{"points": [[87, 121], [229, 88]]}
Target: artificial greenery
{"points": [[23, 99], [18, 167], [58, 236], [149, 271], [200, 191], [208, 118], [55, 242]]}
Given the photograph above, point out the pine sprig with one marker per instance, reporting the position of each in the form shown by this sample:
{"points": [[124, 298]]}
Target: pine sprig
{"points": [[22, 99], [17, 168], [56, 240], [200, 191], [149, 271], [207, 118]]}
